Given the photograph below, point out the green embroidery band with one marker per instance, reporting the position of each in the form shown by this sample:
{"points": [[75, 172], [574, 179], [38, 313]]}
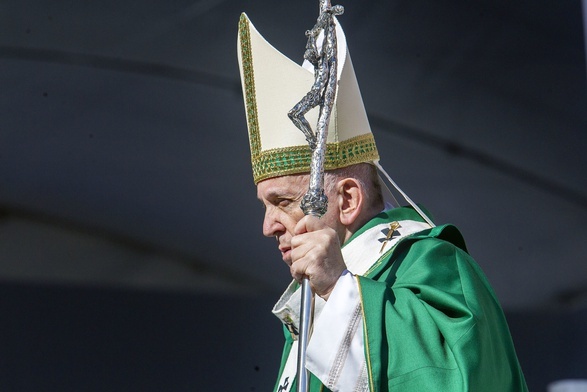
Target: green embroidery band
{"points": [[296, 159]]}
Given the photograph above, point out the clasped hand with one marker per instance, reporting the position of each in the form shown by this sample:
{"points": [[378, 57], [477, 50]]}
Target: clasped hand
{"points": [[316, 254]]}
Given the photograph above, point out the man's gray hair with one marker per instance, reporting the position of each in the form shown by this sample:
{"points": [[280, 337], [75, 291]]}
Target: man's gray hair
{"points": [[365, 174]]}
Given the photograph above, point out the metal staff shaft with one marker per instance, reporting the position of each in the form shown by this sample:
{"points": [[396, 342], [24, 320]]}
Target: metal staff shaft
{"points": [[315, 202], [305, 321]]}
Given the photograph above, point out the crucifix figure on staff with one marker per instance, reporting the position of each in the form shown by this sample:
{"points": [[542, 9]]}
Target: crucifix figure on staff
{"points": [[323, 59], [399, 303]]}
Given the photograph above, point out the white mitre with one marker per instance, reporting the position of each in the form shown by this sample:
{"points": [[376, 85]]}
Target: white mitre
{"points": [[273, 85]]}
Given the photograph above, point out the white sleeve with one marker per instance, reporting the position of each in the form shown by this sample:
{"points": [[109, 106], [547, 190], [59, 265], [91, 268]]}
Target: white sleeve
{"points": [[336, 350]]}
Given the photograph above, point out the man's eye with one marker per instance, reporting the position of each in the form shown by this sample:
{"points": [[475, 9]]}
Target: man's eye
{"points": [[284, 202]]}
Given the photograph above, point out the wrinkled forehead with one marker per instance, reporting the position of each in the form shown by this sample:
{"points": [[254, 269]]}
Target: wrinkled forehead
{"points": [[284, 186]]}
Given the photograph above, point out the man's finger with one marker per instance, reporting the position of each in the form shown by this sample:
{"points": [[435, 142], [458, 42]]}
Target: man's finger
{"points": [[308, 224]]}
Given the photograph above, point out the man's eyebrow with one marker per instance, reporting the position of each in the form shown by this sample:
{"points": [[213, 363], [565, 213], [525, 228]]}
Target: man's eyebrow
{"points": [[269, 196], [274, 195], [277, 194]]}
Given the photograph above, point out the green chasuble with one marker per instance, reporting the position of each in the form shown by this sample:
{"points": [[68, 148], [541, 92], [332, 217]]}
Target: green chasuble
{"points": [[431, 321]]}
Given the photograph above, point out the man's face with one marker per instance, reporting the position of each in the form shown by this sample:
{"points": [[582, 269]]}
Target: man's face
{"points": [[281, 197]]}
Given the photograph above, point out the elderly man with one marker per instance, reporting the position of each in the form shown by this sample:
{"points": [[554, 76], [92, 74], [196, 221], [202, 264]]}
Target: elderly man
{"points": [[311, 246], [400, 304]]}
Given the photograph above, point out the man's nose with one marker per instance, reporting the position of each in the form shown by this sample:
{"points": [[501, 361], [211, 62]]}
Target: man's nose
{"points": [[271, 224]]}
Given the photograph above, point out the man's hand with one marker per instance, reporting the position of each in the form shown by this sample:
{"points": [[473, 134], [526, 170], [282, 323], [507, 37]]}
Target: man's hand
{"points": [[316, 254]]}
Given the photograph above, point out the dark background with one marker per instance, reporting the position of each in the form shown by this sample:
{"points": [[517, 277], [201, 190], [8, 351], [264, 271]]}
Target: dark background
{"points": [[131, 254]]}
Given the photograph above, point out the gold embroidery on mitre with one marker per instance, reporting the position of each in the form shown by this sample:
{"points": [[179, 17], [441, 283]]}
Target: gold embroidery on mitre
{"points": [[249, 83]]}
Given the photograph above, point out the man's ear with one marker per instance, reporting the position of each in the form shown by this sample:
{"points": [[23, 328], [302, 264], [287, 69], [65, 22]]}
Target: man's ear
{"points": [[350, 200]]}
